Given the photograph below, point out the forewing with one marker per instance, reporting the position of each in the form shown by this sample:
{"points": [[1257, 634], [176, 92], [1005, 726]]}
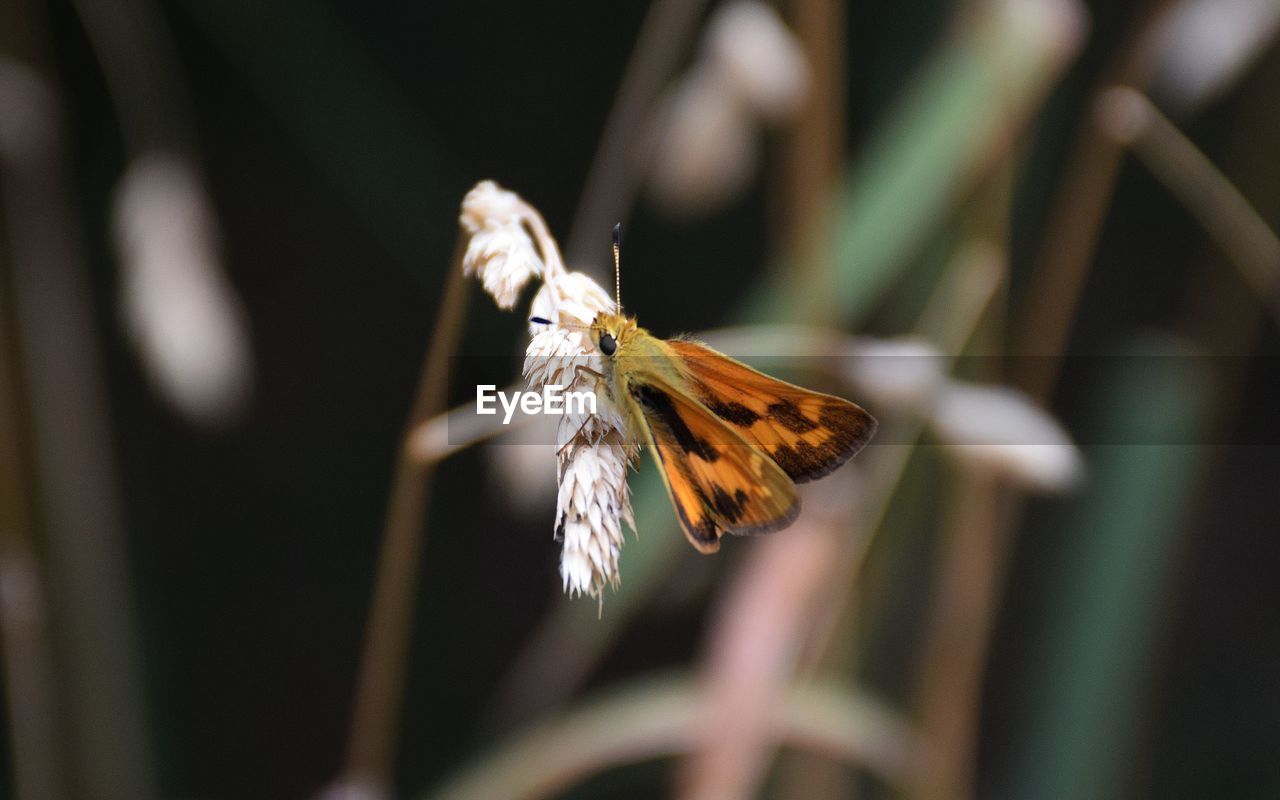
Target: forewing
{"points": [[807, 433], [718, 482]]}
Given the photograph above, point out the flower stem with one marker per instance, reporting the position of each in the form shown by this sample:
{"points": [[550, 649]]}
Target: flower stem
{"points": [[380, 685], [663, 717], [615, 176]]}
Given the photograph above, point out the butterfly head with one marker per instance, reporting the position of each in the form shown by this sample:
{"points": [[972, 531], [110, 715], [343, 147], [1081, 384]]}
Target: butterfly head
{"points": [[610, 331]]}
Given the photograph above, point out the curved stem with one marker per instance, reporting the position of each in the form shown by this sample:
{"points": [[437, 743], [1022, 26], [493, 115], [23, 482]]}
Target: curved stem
{"points": [[1226, 214], [616, 172], [380, 686], [95, 626], [662, 718]]}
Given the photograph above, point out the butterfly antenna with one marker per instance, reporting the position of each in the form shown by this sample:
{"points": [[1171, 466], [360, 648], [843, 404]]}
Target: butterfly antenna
{"points": [[617, 264], [565, 326]]}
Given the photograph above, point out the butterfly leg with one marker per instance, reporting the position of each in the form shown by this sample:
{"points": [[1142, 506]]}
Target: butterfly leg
{"points": [[568, 442], [580, 369]]}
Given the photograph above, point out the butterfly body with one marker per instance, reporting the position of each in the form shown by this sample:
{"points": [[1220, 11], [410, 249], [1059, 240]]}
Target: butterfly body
{"points": [[730, 442]]}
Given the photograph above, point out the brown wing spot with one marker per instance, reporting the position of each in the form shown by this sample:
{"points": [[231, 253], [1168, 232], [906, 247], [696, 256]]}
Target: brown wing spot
{"points": [[731, 507], [702, 531], [788, 416], [852, 425], [796, 461], [848, 428], [659, 404], [732, 412]]}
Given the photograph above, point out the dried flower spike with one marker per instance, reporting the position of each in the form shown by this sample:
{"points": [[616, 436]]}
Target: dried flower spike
{"points": [[510, 245], [500, 252]]}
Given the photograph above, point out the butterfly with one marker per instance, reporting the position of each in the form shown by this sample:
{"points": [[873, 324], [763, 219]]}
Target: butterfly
{"points": [[730, 442]]}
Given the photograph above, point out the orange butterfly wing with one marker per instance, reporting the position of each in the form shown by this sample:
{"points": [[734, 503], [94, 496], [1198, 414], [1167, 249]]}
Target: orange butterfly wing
{"points": [[807, 433], [717, 481]]}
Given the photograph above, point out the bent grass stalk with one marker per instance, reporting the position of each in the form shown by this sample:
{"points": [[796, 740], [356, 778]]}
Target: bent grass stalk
{"points": [[662, 717], [383, 662], [1130, 119]]}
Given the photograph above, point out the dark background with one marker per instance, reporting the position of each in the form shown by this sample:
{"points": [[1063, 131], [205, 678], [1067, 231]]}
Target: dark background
{"points": [[338, 139]]}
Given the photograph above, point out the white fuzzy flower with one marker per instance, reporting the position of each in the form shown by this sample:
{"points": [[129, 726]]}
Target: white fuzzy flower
{"points": [[504, 260], [510, 244], [488, 205], [593, 499], [591, 506], [181, 312], [568, 298], [500, 251]]}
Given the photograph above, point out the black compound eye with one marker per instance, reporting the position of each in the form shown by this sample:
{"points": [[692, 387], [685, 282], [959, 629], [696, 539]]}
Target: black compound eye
{"points": [[607, 344]]}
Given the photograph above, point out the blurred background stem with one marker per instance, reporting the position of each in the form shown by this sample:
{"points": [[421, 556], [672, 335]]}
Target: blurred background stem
{"points": [[1071, 234], [36, 727], [144, 73], [756, 639], [74, 452], [973, 548], [953, 313], [1246, 239], [663, 717], [814, 150], [1077, 730], [384, 661], [616, 172]]}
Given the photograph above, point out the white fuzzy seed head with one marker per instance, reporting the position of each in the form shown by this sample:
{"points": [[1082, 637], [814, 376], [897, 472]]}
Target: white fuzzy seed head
{"points": [[591, 506], [509, 244], [500, 252], [593, 499]]}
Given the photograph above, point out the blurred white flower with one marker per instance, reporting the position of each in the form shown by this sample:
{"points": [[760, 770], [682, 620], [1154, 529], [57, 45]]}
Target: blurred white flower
{"points": [[181, 312], [760, 56], [526, 459], [708, 147], [896, 373], [1202, 47], [750, 69], [592, 456], [999, 429]]}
